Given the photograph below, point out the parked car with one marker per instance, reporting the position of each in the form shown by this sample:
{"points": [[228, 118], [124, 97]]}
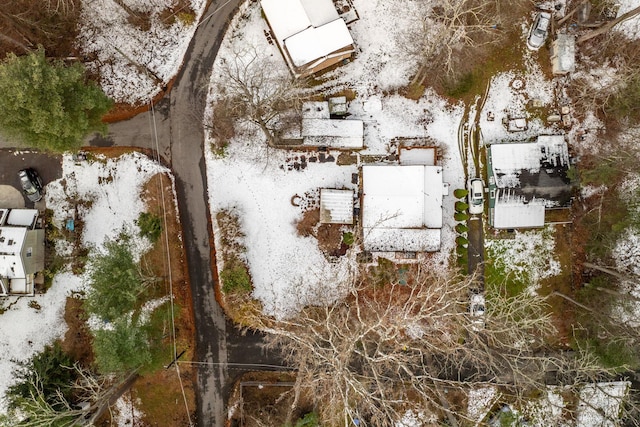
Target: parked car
{"points": [[539, 31], [31, 184], [476, 196], [476, 311]]}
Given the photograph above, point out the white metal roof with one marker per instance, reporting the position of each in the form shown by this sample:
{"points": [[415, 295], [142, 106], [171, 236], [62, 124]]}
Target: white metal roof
{"points": [[22, 217], [336, 206], [516, 214], [318, 42]]}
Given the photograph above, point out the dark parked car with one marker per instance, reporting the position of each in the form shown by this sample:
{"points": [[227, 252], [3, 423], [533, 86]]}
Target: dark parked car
{"points": [[31, 184]]}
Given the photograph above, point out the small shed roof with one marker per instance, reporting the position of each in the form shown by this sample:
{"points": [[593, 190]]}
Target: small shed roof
{"points": [[417, 156], [315, 110], [336, 206]]}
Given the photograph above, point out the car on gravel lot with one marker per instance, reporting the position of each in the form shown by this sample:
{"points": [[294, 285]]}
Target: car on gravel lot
{"points": [[476, 196], [31, 184], [539, 31]]}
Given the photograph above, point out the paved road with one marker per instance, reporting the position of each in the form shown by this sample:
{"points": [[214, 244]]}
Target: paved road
{"points": [[178, 121]]}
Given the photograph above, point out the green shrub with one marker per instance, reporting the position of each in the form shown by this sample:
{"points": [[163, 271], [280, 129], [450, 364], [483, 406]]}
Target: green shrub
{"points": [[150, 226], [461, 228], [460, 193], [459, 216], [235, 279], [461, 206], [347, 238], [309, 420], [461, 241], [186, 18]]}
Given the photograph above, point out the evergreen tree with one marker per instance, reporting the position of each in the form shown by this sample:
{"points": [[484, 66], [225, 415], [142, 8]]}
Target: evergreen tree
{"points": [[47, 104]]}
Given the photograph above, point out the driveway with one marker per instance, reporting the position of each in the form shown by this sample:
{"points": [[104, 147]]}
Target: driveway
{"points": [[49, 167]]}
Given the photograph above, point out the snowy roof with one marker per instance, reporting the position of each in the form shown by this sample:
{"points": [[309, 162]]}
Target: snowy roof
{"points": [[509, 159], [11, 239], [318, 129], [315, 110], [22, 217], [318, 42], [336, 206], [333, 127], [417, 156], [402, 239], [563, 59], [400, 198], [289, 17], [518, 214]]}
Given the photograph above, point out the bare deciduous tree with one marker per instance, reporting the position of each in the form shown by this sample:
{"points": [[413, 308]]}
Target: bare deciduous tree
{"points": [[449, 26], [388, 349], [254, 90]]}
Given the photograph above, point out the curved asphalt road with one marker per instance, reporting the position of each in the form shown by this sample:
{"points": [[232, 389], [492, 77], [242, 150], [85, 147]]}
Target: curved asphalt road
{"points": [[178, 121]]}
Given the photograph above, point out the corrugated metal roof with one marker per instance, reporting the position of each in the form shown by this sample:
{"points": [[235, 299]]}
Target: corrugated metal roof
{"points": [[336, 206]]}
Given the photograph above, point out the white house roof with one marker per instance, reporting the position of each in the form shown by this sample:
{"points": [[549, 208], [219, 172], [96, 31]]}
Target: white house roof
{"points": [[318, 42], [399, 203], [336, 206], [22, 217], [286, 17], [289, 17], [517, 214]]}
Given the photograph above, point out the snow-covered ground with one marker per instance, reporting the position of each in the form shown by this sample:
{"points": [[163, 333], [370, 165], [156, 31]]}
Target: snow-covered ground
{"points": [[289, 271], [528, 257], [139, 50], [111, 190]]}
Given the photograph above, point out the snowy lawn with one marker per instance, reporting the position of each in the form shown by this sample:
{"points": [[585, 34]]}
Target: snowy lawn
{"points": [[108, 194], [139, 48], [288, 270], [522, 261]]}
